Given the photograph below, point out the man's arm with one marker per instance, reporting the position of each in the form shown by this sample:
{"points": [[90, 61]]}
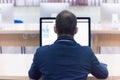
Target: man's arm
{"points": [[99, 70], [34, 72]]}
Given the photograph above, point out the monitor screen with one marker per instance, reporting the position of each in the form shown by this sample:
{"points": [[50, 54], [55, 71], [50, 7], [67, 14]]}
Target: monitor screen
{"points": [[48, 36]]}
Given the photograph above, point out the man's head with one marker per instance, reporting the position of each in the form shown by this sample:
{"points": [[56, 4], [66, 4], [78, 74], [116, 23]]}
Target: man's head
{"points": [[66, 23]]}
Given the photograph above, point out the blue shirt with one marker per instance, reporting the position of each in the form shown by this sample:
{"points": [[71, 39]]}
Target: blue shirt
{"points": [[66, 60]]}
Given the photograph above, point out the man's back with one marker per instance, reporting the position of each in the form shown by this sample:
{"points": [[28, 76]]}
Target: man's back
{"points": [[65, 60]]}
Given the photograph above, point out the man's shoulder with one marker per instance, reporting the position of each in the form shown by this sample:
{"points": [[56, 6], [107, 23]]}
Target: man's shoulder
{"points": [[42, 50], [87, 49], [43, 47]]}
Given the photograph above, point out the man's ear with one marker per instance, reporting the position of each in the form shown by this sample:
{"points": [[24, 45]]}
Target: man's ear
{"points": [[76, 30], [55, 30]]}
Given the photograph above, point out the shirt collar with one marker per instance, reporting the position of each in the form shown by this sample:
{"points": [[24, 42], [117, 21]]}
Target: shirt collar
{"points": [[65, 38]]}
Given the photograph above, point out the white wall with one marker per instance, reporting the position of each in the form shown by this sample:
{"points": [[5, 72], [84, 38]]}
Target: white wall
{"points": [[110, 1], [32, 14], [27, 14], [87, 11]]}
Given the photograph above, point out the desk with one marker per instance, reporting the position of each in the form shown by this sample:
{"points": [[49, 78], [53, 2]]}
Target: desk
{"points": [[105, 38], [28, 35], [19, 35], [112, 60], [16, 66]]}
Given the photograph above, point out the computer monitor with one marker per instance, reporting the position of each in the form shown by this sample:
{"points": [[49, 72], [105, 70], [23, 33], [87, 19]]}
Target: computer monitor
{"points": [[52, 9], [110, 12], [47, 35], [6, 13]]}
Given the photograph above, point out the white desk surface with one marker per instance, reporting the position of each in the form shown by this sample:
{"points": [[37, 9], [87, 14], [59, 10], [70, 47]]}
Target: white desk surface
{"points": [[102, 31], [16, 66], [19, 28], [113, 62], [34, 28]]}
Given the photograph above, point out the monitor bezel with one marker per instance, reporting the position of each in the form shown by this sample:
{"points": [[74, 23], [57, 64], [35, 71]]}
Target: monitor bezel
{"points": [[45, 18]]}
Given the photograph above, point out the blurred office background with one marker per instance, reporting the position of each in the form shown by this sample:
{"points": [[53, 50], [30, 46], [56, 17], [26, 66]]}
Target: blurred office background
{"points": [[29, 12]]}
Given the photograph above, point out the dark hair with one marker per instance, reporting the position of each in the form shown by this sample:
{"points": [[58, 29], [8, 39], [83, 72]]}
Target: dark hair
{"points": [[66, 23]]}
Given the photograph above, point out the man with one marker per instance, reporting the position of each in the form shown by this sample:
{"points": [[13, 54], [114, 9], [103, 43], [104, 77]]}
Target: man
{"points": [[65, 59]]}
